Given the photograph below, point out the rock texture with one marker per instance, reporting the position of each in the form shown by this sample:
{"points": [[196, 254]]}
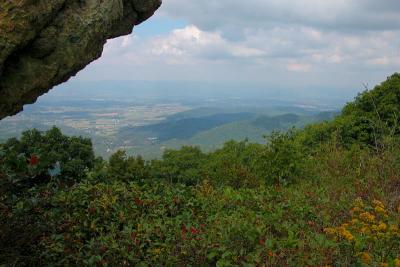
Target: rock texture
{"points": [[45, 42]]}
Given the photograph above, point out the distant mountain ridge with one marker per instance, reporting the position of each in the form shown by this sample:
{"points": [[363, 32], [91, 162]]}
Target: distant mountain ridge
{"points": [[200, 127], [187, 127]]}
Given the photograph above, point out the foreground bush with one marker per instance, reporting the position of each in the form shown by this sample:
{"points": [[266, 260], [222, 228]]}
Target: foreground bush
{"points": [[38, 157], [158, 224]]}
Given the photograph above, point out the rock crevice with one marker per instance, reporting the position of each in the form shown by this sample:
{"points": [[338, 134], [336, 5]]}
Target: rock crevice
{"points": [[45, 42]]}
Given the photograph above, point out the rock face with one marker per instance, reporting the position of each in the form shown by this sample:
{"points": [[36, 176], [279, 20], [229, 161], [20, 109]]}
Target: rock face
{"points": [[45, 42]]}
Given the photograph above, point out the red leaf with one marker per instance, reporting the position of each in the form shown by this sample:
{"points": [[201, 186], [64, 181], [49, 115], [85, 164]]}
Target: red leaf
{"points": [[138, 202], [193, 230], [34, 160], [92, 210], [183, 228], [183, 231]]}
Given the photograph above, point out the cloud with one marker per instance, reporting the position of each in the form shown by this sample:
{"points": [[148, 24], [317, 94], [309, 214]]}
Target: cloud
{"points": [[298, 67], [337, 15], [276, 41], [190, 43]]}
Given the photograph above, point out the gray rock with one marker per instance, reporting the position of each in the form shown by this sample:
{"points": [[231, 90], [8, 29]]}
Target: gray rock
{"points": [[45, 42]]}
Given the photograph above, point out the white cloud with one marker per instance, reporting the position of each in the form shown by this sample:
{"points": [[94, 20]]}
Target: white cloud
{"points": [[271, 40], [339, 15], [191, 44], [298, 67], [127, 41]]}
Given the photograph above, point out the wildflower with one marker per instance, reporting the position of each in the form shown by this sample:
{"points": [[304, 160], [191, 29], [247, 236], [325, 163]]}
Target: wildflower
{"points": [[380, 235], [397, 262], [380, 210], [382, 226], [365, 257], [378, 203], [394, 228], [355, 209], [345, 225], [359, 203], [365, 230], [354, 221], [330, 231], [261, 242], [346, 234], [368, 217]]}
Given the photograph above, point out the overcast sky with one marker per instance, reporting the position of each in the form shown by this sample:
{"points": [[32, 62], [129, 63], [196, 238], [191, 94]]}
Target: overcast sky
{"points": [[290, 43]]}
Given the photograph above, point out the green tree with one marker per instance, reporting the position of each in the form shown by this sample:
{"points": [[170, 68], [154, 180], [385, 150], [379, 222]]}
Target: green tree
{"points": [[234, 165], [38, 156], [180, 166], [122, 167]]}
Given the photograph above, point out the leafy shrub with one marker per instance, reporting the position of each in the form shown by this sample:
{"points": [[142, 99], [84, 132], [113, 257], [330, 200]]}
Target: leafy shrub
{"points": [[180, 166], [122, 167], [30, 161], [233, 165], [283, 158]]}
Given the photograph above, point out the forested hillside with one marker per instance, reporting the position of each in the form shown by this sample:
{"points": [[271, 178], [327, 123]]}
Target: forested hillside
{"points": [[325, 195]]}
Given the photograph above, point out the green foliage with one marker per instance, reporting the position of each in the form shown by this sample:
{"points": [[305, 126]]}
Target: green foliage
{"points": [[283, 158], [233, 165], [286, 203], [380, 104], [180, 166], [367, 121], [121, 167], [27, 161], [375, 113]]}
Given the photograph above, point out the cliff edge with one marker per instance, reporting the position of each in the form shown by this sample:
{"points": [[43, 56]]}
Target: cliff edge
{"points": [[45, 42]]}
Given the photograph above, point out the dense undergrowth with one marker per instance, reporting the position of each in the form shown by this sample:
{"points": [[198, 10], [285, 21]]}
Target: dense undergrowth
{"points": [[325, 195]]}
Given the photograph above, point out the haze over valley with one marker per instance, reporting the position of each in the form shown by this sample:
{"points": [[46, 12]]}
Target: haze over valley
{"points": [[145, 118]]}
